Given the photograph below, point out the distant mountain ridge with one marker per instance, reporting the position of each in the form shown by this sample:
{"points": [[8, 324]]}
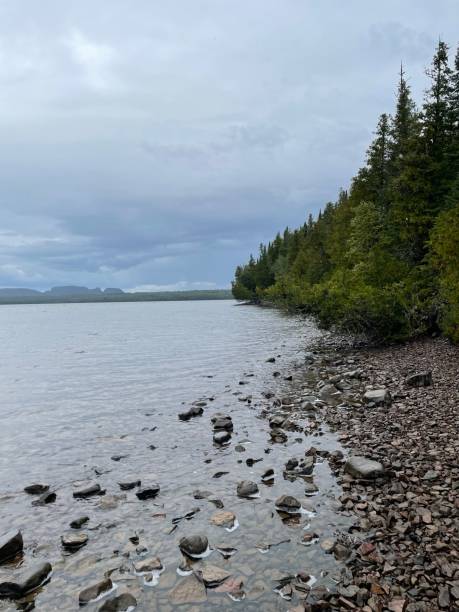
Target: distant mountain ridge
{"points": [[58, 291]]}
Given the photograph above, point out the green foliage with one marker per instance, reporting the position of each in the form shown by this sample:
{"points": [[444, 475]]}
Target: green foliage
{"points": [[371, 263]]}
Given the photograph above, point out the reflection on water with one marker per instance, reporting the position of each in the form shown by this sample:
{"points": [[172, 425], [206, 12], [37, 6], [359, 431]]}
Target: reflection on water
{"points": [[91, 392]]}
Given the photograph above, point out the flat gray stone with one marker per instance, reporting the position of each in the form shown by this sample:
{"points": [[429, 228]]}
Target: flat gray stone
{"points": [[361, 467], [378, 397]]}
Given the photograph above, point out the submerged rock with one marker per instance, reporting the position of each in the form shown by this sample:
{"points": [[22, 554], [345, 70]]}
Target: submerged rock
{"points": [[74, 541], [120, 603], [247, 488], [223, 519], [190, 590], [94, 591], [194, 411], [194, 546], [361, 467], [48, 497], [11, 543], [148, 565], [212, 576], [127, 485], [222, 421], [79, 522]]}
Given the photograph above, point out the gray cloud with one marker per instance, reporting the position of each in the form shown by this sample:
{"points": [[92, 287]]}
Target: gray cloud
{"points": [[157, 144]]}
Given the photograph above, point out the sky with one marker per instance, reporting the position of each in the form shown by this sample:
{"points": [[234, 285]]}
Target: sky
{"points": [[153, 145]]}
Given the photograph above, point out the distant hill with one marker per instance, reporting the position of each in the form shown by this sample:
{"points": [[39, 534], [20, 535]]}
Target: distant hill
{"points": [[76, 294]]}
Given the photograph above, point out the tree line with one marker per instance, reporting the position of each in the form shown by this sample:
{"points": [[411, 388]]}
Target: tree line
{"points": [[383, 260]]}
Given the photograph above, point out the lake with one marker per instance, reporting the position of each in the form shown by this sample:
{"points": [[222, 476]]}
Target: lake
{"points": [[92, 392]]}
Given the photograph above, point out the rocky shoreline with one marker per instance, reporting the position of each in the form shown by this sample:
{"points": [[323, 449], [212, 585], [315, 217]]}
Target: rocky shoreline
{"points": [[404, 548], [379, 535]]}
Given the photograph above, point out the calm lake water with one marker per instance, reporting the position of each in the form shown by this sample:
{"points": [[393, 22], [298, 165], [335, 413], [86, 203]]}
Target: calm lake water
{"points": [[81, 383]]}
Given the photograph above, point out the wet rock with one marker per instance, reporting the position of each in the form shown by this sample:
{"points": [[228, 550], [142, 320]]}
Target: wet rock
{"points": [[328, 392], [221, 437], [194, 546], [11, 544], [49, 497], [148, 565], [247, 488], [310, 488], [128, 485], [378, 397], [120, 603], [219, 474], [88, 491], [79, 522], [421, 379], [90, 593], [74, 541], [279, 436], [239, 448], [223, 519], [148, 491], [226, 551], [361, 467], [192, 412], [198, 494], [222, 422], [327, 545], [288, 503], [251, 461], [36, 489], [34, 579], [271, 360], [268, 474], [277, 421], [118, 457], [190, 590], [212, 576]]}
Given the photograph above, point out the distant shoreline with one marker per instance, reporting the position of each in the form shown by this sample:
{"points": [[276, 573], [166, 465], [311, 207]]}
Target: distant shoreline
{"points": [[159, 296]]}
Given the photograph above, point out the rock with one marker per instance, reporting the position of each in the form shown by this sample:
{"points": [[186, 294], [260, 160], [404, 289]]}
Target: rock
{"points": [[79, 522], [222, 421], [194, 546], [247, 488], [310, 488], [36, 577], [11, 544], [74, 541], [276, 421], [421, 379], [444, 600], [378, 397], [212, 576], [327, 545], [268, 474], [91, 489], [118, 457], [430, 475], [277, 435], [194, 411], [239, 448], [148, 492], [223, 519], [36, 489], [361, 467], [271, 360], [120, 603], [127, 485], [48, 497], [198, 494], [328, 392], [190, 590], [148, 565], [90, 593], [221, 437], [287, 503]]}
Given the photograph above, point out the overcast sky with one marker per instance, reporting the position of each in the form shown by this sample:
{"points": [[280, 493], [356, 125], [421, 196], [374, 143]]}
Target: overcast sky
{"points": [[154, 144]]}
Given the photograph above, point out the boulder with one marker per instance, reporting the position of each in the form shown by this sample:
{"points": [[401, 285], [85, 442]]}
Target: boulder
{"points": [[120, 603], [222, 421], [11, 543], [379, 397], [48, 497], [247, 488], [276, 421], [35, 578], [361, 467], [96, 590], [194, 546], [148, 492], [421, 379]]}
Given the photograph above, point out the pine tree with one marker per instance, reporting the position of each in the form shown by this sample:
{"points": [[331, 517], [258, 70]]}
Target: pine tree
{"points": [[401, 130]]}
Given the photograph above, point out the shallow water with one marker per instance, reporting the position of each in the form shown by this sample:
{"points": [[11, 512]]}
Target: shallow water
{"points": [[84, 382]]}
